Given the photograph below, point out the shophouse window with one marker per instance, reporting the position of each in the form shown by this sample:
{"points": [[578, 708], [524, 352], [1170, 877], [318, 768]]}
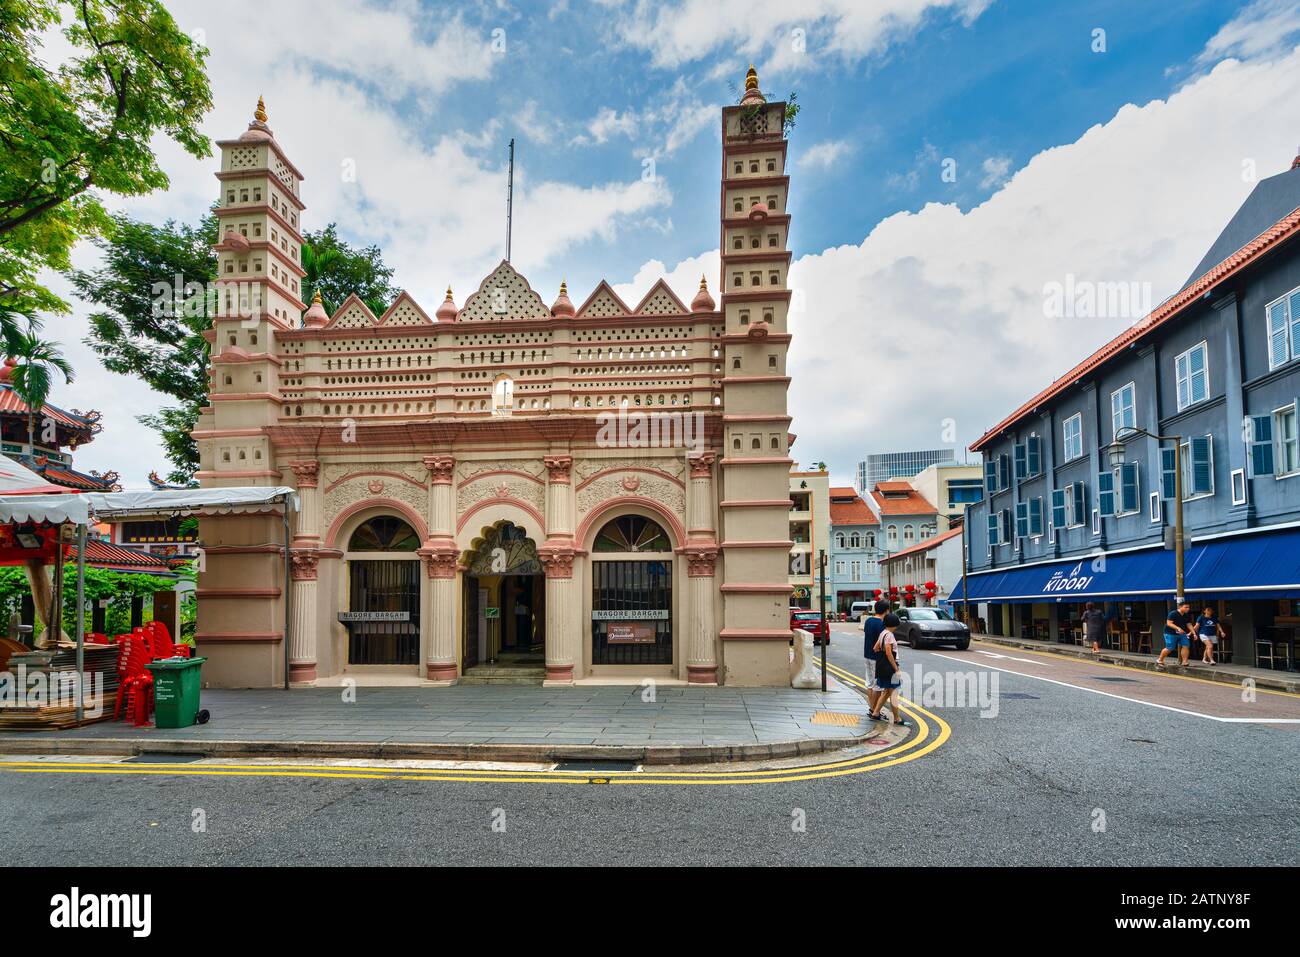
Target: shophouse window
{"points": [[1192, 368], [1283, 318], [1123, 412], [1072, 437], [1198, 466]]}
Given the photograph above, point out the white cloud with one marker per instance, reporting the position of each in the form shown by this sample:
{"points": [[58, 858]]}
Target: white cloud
{"points": [[822, 156], [940, 315], [1262, 28], [995, 170], [786, 35], [660, 129]]}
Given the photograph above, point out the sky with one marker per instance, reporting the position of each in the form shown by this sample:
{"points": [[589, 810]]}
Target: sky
{"points": [[954, 163]]}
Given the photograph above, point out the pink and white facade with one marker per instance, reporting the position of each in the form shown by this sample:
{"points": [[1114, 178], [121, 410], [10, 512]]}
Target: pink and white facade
{"points": [[583, 492]]}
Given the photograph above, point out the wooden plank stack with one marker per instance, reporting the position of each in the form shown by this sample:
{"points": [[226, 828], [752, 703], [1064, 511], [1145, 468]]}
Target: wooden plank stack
{"points": [[59, 664]]}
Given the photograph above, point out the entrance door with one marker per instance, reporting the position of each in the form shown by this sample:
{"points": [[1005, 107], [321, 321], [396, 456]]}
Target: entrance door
{"points": [[504, 598], [384, 613]]}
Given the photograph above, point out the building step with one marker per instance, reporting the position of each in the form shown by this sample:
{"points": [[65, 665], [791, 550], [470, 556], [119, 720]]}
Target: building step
{"points": [[503, 675]]}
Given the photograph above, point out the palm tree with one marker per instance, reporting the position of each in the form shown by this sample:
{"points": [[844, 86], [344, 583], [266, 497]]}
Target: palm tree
{"points": [[317, 264], [38, 359]]}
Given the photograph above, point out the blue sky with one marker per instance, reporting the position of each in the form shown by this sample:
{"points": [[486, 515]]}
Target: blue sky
{"points": [[1068, 162]]}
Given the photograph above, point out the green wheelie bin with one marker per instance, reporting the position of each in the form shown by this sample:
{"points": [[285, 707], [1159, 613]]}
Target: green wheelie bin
{"points": [[176, 691]]}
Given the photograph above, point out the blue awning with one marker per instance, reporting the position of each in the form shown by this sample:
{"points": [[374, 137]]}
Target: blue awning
{"points": [[1264, 565]]}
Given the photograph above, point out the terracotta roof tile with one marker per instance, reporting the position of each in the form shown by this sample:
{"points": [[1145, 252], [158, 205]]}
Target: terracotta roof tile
{"points": [[912, 503], [855, 512]]}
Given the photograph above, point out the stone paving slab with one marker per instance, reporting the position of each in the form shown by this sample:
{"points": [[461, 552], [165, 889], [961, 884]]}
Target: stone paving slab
{"points": [[480, 722]]}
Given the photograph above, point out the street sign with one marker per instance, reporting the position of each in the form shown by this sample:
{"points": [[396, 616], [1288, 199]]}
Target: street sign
{"points": [[491, 612], [354, 616], [640, 614]]}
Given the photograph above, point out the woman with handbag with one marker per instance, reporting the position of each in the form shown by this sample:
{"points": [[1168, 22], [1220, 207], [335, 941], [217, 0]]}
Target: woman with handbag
{"points": [[887, 671]]}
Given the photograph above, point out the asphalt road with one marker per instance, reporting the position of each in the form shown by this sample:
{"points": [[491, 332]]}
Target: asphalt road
{"points": [[1068, 771]]}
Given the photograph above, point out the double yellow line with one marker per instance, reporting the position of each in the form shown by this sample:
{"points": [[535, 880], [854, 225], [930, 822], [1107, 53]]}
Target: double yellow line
{"points": [[931, 732]]}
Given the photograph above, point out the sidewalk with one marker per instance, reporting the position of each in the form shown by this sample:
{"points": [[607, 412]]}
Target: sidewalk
{"points": [[1226, 673], [503, 723]]}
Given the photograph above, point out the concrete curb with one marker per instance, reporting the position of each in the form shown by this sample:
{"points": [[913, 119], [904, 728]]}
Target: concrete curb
{"points": [[1223, 674], [434, 751]]}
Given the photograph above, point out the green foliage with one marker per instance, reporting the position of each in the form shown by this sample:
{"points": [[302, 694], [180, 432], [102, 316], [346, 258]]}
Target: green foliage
{"points": [[339, 270], [791, 112], [118, 587], [154, 299], [85, 125], [38, 360]]}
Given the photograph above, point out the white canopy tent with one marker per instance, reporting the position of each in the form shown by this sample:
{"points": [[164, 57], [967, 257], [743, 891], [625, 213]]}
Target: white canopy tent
{"points": [[26, 497]]}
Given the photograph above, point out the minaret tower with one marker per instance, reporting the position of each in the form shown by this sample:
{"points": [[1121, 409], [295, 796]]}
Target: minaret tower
{"points": [[755, 469], [259, 289]]}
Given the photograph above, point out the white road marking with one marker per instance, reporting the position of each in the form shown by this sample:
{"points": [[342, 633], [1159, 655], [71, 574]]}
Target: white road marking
{"points": [[1107, 694], [1028, 661]]}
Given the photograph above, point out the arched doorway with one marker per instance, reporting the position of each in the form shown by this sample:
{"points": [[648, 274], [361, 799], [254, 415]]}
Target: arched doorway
{"points": [[504, 601], [383, 611], [631, 593]]}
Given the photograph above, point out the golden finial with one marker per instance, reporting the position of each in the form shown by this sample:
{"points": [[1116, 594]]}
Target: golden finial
{"points": [[260, 113], [315, 299], [751, 79], [564, 288], [703, 285], [449, 291]]}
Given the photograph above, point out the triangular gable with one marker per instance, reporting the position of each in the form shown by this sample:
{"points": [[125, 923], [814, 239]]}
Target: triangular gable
{"points": [[504, 294], [405, 311], [353, 314], [661, 301], [603, 303]]}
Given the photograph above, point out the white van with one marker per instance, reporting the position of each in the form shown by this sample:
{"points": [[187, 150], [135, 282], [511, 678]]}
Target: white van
{"points": [[861, 609]]}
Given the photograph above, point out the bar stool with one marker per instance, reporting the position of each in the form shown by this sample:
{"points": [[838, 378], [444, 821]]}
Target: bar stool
{"points": [[1144, 641]]}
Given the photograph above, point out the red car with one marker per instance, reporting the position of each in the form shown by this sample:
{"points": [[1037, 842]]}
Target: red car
{"points": [[811, 622]]}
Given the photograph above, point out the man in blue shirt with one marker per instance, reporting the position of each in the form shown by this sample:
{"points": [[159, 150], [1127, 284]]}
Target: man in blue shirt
{"points": [[1178, 634], [872, 626]]}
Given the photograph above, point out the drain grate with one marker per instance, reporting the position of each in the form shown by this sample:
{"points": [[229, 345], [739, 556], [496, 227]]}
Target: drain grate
{"points": [[163, 757], [596, 766], [1113, 678], [841, 718]]}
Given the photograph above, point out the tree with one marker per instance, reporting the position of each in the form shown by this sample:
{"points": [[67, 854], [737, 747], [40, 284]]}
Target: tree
{"points": [[155, 293], [339, 270], [84, 125], [38, 360]]}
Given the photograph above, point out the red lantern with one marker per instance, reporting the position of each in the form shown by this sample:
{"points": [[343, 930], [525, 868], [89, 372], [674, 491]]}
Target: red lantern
{"points": [[910, 589], [929, 586], [876, 593]]}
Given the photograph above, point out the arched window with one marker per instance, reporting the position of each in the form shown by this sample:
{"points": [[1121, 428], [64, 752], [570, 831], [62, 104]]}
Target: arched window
{"points": [[871, 539], [384, 534], [855, 540], [892, 534], [839, 539], [909, 534], [632, 533]]}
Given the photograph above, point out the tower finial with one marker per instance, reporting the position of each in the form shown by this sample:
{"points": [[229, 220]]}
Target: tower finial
{"points": [[751, 79], [260, 113], [448, 290], [564, 288], [703, 285], [315, 298]]}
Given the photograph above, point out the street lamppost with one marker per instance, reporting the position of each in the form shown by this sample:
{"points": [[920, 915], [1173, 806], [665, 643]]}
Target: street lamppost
{"points": [[1115, 455]]}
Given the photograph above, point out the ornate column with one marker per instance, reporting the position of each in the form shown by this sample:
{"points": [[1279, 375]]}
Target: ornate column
{"points": [[563, 627], [303, 561], [701, 559], [302, 650], [440, 558]]}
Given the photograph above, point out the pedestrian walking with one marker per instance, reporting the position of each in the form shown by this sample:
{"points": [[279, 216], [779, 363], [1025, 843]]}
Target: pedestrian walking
{"points": [[1178, 634], [887, 671], [1094, 626], [1209, 631], [872, 626]]}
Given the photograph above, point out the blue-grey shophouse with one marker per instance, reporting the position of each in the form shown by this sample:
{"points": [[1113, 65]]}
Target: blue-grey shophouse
{"points": [[1216, 367]]}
